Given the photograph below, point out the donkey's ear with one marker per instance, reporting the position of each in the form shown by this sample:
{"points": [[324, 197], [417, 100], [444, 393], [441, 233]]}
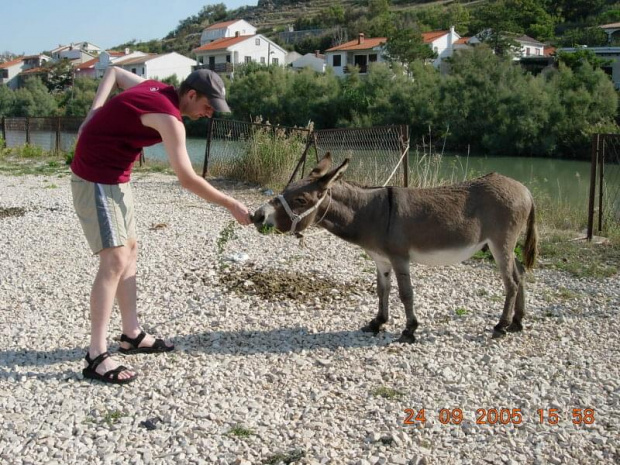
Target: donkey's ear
{"points": [[323, 167], [330, 178]]}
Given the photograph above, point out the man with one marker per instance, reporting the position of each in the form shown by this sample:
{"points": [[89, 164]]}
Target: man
{"points": [[109, 141]]}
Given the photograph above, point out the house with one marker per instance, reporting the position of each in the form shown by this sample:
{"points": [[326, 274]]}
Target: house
{"points": [[291, 57], [87, 69], [160, 67], [526, 46], [237, 27], [9, 72], [443, 43], [530, 47], [359, 52], [108, 58], [79, 52], [610, 30], [223, 55], [314, 61]]}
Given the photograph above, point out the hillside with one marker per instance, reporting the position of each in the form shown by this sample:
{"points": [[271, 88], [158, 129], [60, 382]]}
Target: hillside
{"points": [[269, 17]]}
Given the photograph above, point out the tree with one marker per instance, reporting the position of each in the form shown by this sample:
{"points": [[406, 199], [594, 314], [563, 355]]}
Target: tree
{"points": [[78, 99], [7, 100], [582, 56], [406, 45], [34, 100], [514, 16], [59, 75]]}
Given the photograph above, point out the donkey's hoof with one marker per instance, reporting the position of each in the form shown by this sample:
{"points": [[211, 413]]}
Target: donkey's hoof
{"points": [[407, 337], [514, 327], [372, 327], [498, 333]]}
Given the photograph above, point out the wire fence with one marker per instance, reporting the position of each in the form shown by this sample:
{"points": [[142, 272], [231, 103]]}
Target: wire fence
{"points": [[57, 134], [378, 155], [604, 200], [233, 143]]}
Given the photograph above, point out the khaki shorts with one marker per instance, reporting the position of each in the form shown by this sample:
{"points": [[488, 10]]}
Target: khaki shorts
{"points": [[105, 211]]}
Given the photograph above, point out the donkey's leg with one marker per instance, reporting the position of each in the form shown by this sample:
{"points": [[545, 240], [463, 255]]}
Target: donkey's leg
{"points": [[504, 257], [519, 275], [384, 283], [405, 291]]}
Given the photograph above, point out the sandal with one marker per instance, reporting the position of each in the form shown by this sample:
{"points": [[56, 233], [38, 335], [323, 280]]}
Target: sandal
{"points": [[110, 376], [158, 346]]}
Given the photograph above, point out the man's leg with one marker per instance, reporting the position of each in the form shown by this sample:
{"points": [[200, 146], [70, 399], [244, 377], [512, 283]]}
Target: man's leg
{"points": [[126, 296], [112, 264]]}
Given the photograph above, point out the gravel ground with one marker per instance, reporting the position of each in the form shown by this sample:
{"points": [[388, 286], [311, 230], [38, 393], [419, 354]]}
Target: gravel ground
{"points": [[270, 365]]}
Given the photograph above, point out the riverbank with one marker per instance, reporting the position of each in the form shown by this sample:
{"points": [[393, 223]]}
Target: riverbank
{"points": [[270, 364]]}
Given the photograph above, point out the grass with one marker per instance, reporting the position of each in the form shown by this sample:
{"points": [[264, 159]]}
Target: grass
{"points": [[387, 393], [285, 457], [461, 311], [240, 432], [227, 234]]}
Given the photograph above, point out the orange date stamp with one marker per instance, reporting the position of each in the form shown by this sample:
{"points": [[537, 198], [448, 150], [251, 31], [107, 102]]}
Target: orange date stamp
{"points": [[502, 416]]}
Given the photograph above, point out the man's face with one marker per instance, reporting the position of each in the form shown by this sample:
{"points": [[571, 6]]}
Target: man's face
{"points": [[195, 106]]}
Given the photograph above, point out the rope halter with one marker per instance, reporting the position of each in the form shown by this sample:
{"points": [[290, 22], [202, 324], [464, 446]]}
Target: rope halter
{"points": [[295, 218]]}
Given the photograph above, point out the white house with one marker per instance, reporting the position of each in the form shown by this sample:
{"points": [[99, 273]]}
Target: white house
{"points": [[612, 54], [9, 71], [222, 55], [108, 58], [158, 66], [314, 61], [237, 27], [530, 47], [359, 52], [79, 52], [443, 43]]}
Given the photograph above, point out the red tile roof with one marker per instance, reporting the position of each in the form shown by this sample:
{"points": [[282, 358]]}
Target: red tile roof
{"points": [[428, 37], [462, 41], [610, 25], [87, 64], [223, 43], [8, 64], [365, 44], [35, 71]]}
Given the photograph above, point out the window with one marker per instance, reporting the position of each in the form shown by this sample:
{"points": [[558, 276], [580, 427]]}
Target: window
{"points": [[262, 60], [527, 51], [211, 62], [257, 42], [337, 60], [227, 58], [4, 73], [134, 70], [274, 61], [248, 59], [372, 57]]}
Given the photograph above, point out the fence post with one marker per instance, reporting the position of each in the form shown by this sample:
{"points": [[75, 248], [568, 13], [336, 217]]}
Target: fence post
{"points": [[601, 172], [594, 158], [205, 166], [3, 132], [28, 130], [404, 138], [57, 135]]}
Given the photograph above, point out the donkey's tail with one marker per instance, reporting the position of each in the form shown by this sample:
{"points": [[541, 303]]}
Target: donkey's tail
{"points": [[530, 250]]}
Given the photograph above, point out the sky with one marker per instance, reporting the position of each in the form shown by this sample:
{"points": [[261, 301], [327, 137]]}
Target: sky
{"points": [[32, 26]]}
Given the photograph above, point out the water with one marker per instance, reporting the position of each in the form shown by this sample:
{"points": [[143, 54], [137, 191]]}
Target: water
{"points": [[564, 180]]}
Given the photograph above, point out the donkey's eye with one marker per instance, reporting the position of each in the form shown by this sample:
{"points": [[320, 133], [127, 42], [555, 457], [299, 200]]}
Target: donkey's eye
{"points": [[301, 201]]}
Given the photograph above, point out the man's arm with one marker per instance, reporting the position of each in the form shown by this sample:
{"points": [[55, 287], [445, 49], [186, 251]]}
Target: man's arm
{"points": [[113, 78], [173, 135]]}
